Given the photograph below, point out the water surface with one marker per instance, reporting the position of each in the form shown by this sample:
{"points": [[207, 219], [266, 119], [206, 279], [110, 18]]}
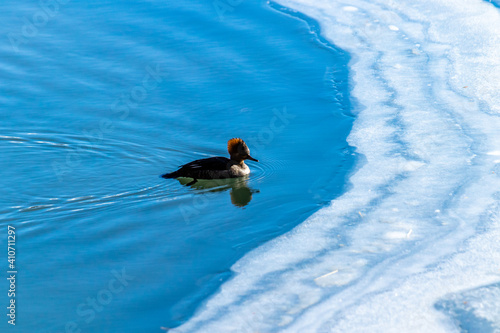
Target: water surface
{"points": [[108, 95]]}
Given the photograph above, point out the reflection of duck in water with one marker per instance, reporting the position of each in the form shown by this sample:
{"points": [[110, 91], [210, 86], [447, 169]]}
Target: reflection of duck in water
{"points": [[217, 167], [240, 193]]}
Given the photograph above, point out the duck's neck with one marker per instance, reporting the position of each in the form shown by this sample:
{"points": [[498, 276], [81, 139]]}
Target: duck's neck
{"points": [[237, 161]]}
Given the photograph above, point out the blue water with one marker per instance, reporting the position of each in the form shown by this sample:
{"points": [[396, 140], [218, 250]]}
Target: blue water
{"points": [[103, 97], [495, 3]]}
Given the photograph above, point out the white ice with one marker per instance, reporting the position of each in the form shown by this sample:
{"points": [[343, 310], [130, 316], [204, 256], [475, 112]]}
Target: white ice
{"points": [[420, 223]]}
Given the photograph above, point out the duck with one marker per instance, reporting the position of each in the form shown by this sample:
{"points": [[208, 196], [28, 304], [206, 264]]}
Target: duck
{"points": [[218, 167]]}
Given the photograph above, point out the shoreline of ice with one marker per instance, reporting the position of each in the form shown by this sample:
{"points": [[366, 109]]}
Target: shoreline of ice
{"points": [[421, 221]]}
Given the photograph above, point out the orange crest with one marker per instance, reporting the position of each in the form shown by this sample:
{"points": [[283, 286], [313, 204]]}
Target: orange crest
{"points": [[233, 144]]}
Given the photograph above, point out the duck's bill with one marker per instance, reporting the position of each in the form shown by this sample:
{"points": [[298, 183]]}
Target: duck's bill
{"points": [[251, 158]]}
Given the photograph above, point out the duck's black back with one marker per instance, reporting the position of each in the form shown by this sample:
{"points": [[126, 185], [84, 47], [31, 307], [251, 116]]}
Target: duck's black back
{"points": [[203, 169]]}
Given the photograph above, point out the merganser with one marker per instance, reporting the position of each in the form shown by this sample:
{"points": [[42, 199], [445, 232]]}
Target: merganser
{"points": [[218, 167]]}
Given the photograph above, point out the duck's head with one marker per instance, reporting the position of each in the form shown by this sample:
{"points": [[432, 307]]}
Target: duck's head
{"points": [[238, 150]]}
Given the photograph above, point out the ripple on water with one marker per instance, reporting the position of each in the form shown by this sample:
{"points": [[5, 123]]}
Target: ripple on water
{"points": [[59, 207], [266, 168]]}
